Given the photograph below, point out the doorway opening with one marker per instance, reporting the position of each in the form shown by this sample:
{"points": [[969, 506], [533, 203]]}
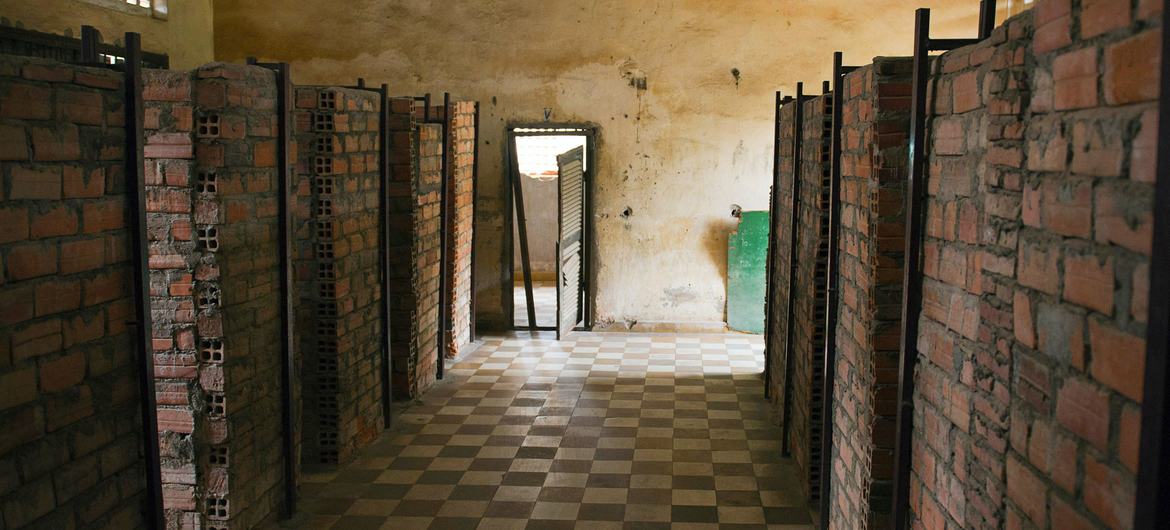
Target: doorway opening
{"points": [[550, 172]]}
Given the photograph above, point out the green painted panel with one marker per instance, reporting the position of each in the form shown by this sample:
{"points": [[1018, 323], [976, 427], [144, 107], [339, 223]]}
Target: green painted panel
{"points": [[747, 260]]}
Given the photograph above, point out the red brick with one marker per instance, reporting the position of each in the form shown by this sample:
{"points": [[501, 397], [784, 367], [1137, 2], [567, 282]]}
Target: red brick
{"points": [[60, 142], [25, 101], [1027, 491], [1037, 267], [175, 420], [1101, 16], [1118, 358], [96, 78], [108, 286], [1065, 517], [1144, 149], [54, 73], [80, 106], [84, 328], [30, 260], [166, 85], [82, 255], [1132, 67], [36, 183], [1130, 429], [62, 372], [1074, 75], [1025, 330], [57, 296], [1107, 494], [1123, 217], [20, 387], [1088, 281], [13, 143], [102, 216], [1084, 410], [15, 222], [1067, 206], [67, 408], [57, 220], [79, 186], [1140, 299], [15, 305]]}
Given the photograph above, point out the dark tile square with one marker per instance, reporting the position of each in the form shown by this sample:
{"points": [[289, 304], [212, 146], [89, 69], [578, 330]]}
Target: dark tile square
{"points": [[454, 523], [509, 509], [536, 452], [608, 480], [694, 514], [737, 498], [553, 494], [689, 482], [440, 477], [601, 512], [786, 515], [418, 508], [359, 522], [473, 493]]}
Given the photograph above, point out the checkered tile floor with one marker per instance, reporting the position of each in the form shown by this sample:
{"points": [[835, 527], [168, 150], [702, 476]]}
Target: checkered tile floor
{"points": [[544, 297], [601, 431]]}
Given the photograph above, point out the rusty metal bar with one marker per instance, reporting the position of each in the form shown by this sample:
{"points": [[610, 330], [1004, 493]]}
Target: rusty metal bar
{"points": [[522, 229], [986, 18], [444, 232], [798, 132], [474, 204], [143, 325], [384, 253], [91, 40], [773, 228], [1153, 478]]}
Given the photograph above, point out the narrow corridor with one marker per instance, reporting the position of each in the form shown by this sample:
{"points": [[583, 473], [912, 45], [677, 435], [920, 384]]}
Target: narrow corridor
{"points": [[603, 430]]}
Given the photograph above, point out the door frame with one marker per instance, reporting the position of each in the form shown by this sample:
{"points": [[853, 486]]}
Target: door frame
{"points": [[512, 131]]}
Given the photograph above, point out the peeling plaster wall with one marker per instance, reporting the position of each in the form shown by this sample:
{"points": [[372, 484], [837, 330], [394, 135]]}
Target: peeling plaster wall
{"points": [[185, 35], [681, 138]]}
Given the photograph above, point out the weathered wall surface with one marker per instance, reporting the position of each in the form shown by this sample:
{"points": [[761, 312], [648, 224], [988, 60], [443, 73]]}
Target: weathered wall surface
{"points": [[540, 212], [185, 35], [69, 400], [678, 151], [1039, 221]]}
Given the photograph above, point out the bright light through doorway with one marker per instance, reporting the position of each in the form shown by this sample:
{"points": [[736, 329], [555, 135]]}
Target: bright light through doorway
{"points": [[538, 154]]}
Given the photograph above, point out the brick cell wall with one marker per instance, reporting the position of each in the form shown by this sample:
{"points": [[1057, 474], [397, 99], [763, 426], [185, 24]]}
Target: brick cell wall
{"points": [[459, 225], [781, 259], [71, 443], [808, 355], [236, 232], [1036, 264], [338, 272], [875, 130], [170, 192], [414, 248]]}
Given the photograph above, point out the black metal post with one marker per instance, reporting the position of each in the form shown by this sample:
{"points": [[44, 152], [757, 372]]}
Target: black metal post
{"points": [[912, 280], [143, 325], [285, 191], [474, 207], [384, 254], [91, 40], [831, 290], [1153, 477], [798, 132], [522, 229], [986, 18], [444, 232], [773, 228]]}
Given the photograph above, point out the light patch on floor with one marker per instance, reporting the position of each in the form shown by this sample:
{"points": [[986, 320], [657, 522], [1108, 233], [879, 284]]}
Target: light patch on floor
{"points": [[544, 296], [601, 431]]}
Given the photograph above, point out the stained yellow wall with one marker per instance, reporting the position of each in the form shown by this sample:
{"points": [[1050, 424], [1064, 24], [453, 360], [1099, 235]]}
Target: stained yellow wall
{"points": [[678, 153], [186, 34]]}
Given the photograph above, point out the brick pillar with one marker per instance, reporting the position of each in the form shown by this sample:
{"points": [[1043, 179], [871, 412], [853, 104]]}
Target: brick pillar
{"points": [[777, 296], [875, 130], [461, 168], [809, 296], [70, 444], [415, 225], [170, 190], [338, 272]]}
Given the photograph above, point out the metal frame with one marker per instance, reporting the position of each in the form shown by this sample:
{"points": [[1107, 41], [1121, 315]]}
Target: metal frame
{"points": [[86, 50], [915, 234], [797, 141], [831, 290], [514, 196], [384, 234], [1153, 476], [285, 191], [773, 231], [142, 326], [444, 232], [474, 223]]}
